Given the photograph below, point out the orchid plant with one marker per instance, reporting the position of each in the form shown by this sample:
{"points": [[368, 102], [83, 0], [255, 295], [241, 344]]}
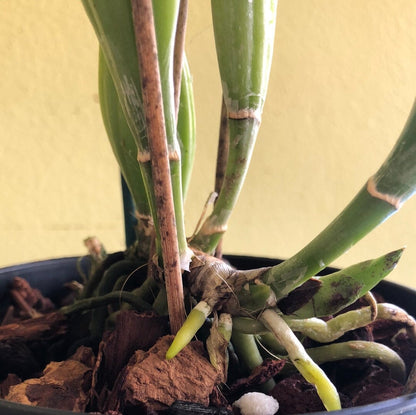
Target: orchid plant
{"points": [[147, 105]]}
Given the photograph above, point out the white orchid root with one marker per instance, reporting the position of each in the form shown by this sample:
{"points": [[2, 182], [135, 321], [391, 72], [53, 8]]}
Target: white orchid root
{"points": [[297, 354]]}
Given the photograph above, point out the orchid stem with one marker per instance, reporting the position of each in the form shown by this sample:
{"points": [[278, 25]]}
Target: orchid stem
{"points": [[160, 155]]}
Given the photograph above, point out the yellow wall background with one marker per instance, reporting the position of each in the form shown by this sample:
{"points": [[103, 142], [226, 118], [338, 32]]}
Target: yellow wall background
{"points": [[342, 84]]}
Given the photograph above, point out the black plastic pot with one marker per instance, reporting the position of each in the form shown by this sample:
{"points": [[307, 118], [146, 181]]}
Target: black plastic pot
{"points": [[50, 275]]}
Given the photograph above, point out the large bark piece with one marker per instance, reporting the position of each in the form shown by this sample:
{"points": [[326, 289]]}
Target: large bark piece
{"points": [[152, 381], [133, 331], [64, 385], [46, 328], [24, 344]]}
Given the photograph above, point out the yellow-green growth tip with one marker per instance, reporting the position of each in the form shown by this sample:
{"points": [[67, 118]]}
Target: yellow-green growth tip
{"points": [[193, 323]]}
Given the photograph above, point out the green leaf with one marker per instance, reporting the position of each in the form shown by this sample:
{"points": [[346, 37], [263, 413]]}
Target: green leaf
{"points": [[342, 288]]}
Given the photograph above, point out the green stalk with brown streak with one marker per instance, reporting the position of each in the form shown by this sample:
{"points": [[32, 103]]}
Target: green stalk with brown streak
{"points": [[165, 15], [163, 157], [244, 37], [381, 197], [125, 150], [113, 24], [123, 143]]}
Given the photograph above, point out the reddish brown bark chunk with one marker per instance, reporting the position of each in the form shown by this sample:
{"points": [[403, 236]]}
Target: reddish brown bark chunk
{"points": [[11, 380], [296, 396], [64, 385], [261, 374], [132, 332], [153, 381]]}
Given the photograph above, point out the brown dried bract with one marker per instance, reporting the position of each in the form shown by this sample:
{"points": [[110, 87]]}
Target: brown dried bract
{"points": [[218, 355]]}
